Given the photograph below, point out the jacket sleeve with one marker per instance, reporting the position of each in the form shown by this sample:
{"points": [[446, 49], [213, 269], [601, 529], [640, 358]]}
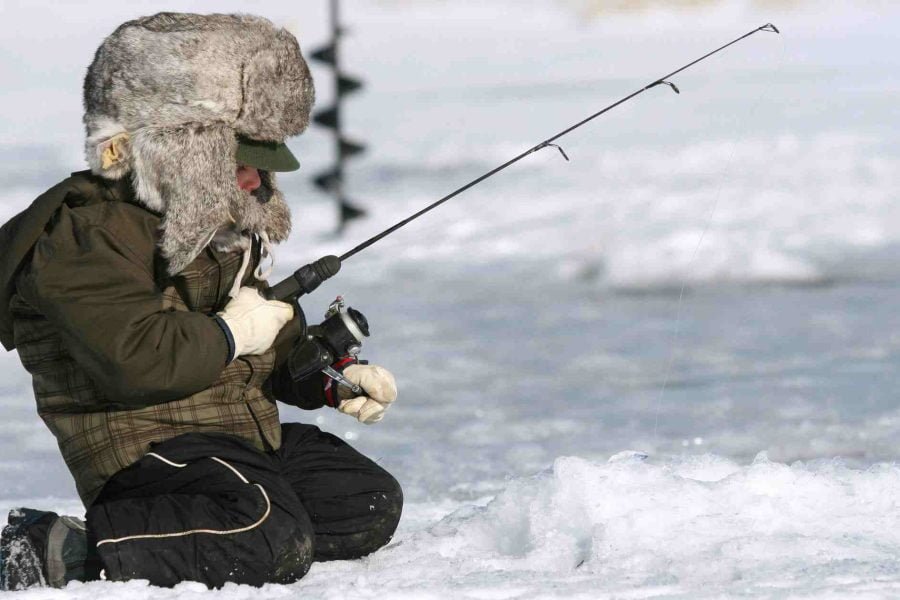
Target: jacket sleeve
{"points": [[309, 393], [101, 295]]}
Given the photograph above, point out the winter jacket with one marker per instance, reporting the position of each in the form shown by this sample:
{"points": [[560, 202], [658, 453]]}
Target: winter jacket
{"points": [[123, 355]]}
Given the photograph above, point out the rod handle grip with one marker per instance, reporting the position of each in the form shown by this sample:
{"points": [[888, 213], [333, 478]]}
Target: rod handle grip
{"points": [[305, 279]]}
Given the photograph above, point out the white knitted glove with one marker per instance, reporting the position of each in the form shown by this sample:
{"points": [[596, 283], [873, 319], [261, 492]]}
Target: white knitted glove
{"points": [[378, 383], [254, 321]]}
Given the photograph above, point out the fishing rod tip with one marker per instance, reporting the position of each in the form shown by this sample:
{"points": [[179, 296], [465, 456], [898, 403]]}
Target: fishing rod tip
{"points": [[769, 27]]}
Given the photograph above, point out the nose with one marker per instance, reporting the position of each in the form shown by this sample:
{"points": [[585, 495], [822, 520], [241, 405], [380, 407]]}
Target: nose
{"points": [[248, 178]]}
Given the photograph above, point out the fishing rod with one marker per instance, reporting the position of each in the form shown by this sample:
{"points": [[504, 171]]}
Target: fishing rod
{"points": [[343, 329], [315, 273]]}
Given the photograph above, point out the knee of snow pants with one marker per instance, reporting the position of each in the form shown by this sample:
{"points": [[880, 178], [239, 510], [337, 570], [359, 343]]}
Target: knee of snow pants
{"points": [[206, 508], [353, 503]]}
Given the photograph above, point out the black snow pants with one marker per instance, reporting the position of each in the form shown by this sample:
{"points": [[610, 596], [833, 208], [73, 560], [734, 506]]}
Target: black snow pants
{"points": [[211, 508]]}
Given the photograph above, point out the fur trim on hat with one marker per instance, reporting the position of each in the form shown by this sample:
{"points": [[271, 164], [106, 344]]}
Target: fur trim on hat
{"points": [[180, 87]]}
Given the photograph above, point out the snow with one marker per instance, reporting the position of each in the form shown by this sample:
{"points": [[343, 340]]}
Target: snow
{"points": [[691, 527], [592, 354]]}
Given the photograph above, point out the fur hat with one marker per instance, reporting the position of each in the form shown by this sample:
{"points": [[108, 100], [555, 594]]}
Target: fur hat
{"points": [[164, 99]]}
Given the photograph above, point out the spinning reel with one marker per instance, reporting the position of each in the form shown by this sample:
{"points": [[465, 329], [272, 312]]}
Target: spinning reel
{"points": [[339, 336]]}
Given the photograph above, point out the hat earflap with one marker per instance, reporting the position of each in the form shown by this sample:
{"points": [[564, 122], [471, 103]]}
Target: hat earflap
{"points": [[186, 173]]}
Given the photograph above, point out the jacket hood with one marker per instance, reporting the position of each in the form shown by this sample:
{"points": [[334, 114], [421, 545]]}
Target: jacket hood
{"points": [[19, 234], [165, 98]]}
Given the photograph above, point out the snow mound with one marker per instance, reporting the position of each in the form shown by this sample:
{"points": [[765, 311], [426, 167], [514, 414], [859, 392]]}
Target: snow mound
{"points": [[697, 526], [698, 520]]}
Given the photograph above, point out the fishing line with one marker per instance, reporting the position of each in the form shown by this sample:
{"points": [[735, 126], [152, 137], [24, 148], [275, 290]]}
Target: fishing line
{"points": [[729, 165]]}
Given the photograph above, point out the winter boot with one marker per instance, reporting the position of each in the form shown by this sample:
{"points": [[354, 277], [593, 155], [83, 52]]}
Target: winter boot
{"points": [[39, 548]]}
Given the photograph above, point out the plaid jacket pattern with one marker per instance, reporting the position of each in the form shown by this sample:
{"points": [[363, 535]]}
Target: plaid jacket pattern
{"points": [[99, 436]]}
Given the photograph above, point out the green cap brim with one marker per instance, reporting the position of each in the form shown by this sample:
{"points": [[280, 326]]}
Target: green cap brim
{"points": [[268, 156]]}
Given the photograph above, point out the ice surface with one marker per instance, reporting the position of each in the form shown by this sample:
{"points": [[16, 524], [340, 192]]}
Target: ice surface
{"points": [[712, 275]]}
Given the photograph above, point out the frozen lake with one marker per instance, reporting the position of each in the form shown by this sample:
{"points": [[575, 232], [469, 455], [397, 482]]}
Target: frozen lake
{"points": [[713, 276]]}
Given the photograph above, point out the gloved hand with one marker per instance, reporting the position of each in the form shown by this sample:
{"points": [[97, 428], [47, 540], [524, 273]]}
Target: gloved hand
{"points": [[253, 321], [378, 383]]}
